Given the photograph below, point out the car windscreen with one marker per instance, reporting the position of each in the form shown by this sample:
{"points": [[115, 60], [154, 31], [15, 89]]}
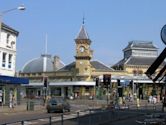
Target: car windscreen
{"points": [[53, 101], [60, 100]]}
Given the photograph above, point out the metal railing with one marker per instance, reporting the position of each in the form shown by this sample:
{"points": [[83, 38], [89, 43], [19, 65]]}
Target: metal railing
{"points": [[88, 117]]}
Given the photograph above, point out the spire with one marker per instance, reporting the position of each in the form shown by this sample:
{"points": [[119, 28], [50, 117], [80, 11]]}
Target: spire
{"points": [[46, 44], [82, 33]]}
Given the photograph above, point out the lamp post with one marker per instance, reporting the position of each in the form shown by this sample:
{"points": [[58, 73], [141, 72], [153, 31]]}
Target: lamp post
{"points": [[21, 7]]}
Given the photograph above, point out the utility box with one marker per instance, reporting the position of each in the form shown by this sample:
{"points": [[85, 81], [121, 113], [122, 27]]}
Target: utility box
{"points": [[30, 105]]}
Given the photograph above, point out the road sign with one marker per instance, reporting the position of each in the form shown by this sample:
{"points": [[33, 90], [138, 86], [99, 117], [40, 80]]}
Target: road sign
{"points": [[151, 70], [163, 34]]}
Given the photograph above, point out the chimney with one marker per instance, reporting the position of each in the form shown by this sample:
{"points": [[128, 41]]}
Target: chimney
{"points": [[57, 63]]}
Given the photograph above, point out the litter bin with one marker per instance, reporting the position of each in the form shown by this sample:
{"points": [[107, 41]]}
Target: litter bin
{"points": [[30, 106]]}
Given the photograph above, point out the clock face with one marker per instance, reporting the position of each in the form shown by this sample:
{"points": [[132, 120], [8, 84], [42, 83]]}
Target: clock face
{"points": [[82, 49]]}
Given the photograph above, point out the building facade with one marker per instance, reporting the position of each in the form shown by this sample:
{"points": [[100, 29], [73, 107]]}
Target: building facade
{"points": [[138, 57], [10, 88], [8, 50], [75, 79], [78, 78]]}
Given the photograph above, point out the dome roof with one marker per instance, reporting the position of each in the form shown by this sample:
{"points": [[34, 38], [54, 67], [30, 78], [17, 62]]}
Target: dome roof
{"points": [[41, 64]]}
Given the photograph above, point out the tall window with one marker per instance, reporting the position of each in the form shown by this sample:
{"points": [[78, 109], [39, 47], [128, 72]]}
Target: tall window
{"points": [[10, 61], [3, 59], [7, 38]]}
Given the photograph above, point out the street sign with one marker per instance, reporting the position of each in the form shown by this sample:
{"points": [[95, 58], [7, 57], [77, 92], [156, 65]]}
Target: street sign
{"points": [[163, 34], [151, 70]]}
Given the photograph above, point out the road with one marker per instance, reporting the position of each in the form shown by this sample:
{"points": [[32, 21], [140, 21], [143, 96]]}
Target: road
{"points": [[42, 114], [96, 117], [129, 121], [42, 117], [71, 118]]}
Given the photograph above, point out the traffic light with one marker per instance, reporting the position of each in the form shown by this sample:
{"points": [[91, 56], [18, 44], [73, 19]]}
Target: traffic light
{"points": [[120, 89], [118, 82], [107, 79], [45, 82], [131, 84], [137, 85], [120, 92], [97, 81]]}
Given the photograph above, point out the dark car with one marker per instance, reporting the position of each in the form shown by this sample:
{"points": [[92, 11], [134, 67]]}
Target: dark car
{"points": [[57, 104]]}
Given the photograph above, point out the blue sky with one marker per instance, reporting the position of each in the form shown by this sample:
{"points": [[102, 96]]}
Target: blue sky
{"points": [[111, 24]]}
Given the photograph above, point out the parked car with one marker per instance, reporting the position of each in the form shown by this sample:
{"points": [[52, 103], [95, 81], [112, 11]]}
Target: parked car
{"points": [[57, 104]]}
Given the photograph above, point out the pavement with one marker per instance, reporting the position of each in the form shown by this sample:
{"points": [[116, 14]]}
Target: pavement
{"points": [[20, 108], [88, 104]]}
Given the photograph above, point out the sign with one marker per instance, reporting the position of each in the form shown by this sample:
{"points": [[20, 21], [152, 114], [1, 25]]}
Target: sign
{"points": [[163, 34], [151, 70]]}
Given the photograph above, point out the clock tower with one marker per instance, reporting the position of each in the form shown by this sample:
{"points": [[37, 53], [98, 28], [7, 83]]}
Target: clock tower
{"points": [[83, 54]]}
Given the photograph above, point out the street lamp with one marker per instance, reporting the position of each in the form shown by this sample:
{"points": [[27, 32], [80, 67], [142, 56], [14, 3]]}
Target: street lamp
{"points": [[21, 7]]}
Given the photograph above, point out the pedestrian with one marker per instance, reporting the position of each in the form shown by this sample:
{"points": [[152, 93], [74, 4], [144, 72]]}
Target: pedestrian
{"points": [[13, 101], [10, 100], [130, 97], [164, 102]]}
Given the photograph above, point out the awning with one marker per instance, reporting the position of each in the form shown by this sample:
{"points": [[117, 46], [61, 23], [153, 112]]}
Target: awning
{"points": [[13, 80], [78, 83]]}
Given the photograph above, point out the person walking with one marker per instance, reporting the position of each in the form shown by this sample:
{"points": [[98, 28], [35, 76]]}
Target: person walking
{"points": [[164, 102], [13, 101]]}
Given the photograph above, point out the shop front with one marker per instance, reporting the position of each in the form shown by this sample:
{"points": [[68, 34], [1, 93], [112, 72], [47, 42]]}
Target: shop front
{"points": [[10, 89]]}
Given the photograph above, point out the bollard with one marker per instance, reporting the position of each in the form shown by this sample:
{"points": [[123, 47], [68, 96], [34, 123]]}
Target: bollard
{"points": [[50, 120], [22, 122], [154, 107], [146, 106], [89, 116], [78, 118], [138, 103], [61, 119]]}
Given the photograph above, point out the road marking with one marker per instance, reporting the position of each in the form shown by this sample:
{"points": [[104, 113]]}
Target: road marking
{"points": [[43, 120], [29, 123]]}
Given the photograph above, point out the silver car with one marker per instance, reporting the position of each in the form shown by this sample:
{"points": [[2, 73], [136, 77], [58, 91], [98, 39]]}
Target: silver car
{"points": [[57, 104]]}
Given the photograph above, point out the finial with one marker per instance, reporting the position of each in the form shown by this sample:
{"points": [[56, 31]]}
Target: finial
{"points": [[83, 20]]}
